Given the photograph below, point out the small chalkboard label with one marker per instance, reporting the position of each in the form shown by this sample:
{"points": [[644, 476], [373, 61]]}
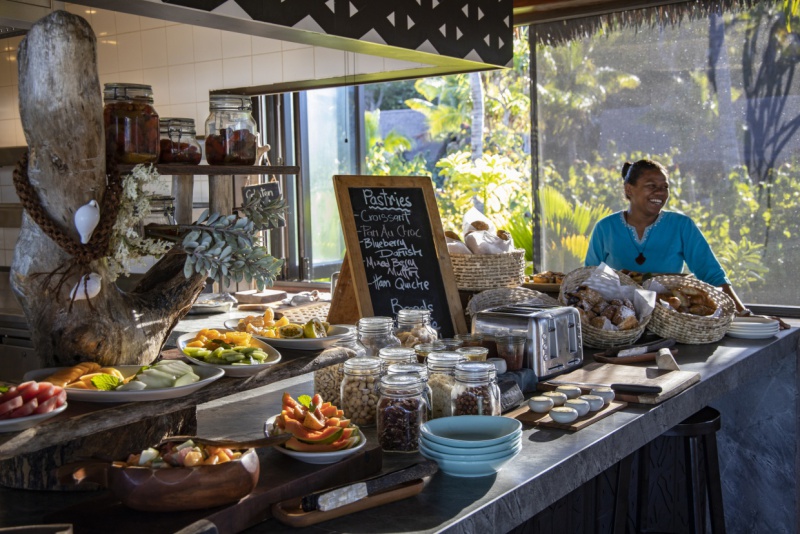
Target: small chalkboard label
{"points": [[265, 190], [396, 248]]}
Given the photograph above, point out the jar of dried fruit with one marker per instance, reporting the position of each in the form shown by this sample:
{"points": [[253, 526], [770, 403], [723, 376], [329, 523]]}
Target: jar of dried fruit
{"points": [[131, 123], [231, 134], [178, 142], [401, 411], [328, 380], [414, 327], [475, 392]]}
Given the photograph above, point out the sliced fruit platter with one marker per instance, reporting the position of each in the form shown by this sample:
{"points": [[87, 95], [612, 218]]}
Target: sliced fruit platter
{"points": [[315, 334], [29, 403], [237, 353], [320, 433]]}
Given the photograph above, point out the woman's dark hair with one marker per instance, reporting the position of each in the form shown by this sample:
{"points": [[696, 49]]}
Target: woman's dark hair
{"points": [[632, 171]]}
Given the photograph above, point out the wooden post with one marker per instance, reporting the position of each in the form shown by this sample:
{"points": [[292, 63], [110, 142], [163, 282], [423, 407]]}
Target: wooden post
{"points": [[344, 304], [220, 194], [183, 191]]}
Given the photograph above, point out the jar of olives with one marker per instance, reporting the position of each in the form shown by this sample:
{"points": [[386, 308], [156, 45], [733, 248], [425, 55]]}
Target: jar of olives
{"points": [[375, 333], [475, 392], [131, 123], [401, 412], [231, 134], [328, 380], [359, 393], [178, 142], [414, 327]]}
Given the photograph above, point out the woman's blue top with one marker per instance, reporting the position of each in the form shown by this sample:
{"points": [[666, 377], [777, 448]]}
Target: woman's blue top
{"points": [[666, 244]]}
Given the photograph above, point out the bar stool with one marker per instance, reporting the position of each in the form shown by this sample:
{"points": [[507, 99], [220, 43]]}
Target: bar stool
{"points": [[700, 452]]}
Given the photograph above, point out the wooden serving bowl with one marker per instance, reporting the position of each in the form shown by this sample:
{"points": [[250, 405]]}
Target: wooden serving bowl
{"points": [[171, 489]]}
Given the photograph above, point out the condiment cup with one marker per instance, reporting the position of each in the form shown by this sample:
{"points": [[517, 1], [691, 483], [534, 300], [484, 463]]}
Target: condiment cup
{"points": [[558, 397], [499, 364], [563, 415], [572, 392], [580, 406], [541, 404], [596, 402], [606, 393]]}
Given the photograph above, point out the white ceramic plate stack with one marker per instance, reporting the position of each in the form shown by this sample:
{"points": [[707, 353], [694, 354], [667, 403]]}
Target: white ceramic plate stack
{"points": [[471, 445], [753, 328]]}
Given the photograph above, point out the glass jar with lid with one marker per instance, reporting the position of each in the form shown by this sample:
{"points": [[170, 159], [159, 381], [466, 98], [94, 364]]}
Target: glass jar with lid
{"points": [[328, 380], [441, 379], [178, 142], [401, 412], [414, 327], [475, 392], [423, 349], [231, 134], [130, 122], [359, 393], [394, 355], [470, 340], [474, 354], [420, 370], [375, 333]]}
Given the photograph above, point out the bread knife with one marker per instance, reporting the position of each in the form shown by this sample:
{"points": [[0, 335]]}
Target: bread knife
{"points": [[622, 388], [333, 498]]}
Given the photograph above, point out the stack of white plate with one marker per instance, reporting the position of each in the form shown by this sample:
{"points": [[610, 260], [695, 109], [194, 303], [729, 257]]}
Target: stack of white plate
{"points": [[753, 327], [471, 445]]}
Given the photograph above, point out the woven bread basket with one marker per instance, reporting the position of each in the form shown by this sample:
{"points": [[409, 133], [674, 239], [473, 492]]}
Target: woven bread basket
{"points": [[593, 336], [685, 327], [505, 296], [478, 272]]}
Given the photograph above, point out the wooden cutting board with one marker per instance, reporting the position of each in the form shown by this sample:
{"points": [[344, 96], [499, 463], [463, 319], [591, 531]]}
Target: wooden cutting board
{"points": [[671, 382], [526, 416]]}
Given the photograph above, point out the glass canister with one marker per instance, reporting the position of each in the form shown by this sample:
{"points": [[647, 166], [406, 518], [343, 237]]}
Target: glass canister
{"points": [[470, 340], [474, 354], [420, 370], [231, 134], [328, 380], [375, 333], [359, 393], [475, 392], [414, 327], [423, 349], [130, 122], [450, 343], [178, 142], [512, 350], [441, 379], [394, 355], [401, 412]]}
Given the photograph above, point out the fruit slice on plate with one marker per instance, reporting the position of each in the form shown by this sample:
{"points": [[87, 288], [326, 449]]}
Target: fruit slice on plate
{"points": [[290, 331], [314, 329]]}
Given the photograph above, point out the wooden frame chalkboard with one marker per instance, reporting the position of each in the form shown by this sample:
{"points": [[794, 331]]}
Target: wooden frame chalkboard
{"points": [[396, 248]]}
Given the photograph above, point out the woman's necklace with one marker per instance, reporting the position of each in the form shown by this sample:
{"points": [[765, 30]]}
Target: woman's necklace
{"points": [[640, 259]]}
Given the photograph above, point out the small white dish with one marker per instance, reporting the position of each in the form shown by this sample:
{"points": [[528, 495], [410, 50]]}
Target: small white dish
{"points": [[563, 415], [580, 406], [572, 392], [499, 364], [321, 458], [21, 423], [606, 393], [596, 402], [541, 404], [558, 397]]}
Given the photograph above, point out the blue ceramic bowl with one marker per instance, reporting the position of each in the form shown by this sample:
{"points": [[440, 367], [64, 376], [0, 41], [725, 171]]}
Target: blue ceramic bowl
{"points": [[471, 468], [505, 446], [514, 448], [468, 431]]}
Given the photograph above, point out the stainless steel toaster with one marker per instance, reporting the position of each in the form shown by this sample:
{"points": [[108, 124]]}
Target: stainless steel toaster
{"points": [[554, 344]]}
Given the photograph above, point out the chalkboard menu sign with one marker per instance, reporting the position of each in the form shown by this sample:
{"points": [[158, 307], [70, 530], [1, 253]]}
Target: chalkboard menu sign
{"points": [[397, 250], [266, 190]]}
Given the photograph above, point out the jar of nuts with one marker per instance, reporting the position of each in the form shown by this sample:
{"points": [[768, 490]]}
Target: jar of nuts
{"points": [[393, 355], [475, 392], [414, 327], [328, 380], [441, 379], [359, 393], [420, 370], [401, 412], [375, 333]]}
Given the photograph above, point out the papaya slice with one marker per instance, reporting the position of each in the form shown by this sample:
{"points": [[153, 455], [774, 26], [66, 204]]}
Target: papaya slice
{"points": [[312, 422], [329, 411], [326, 435], [297, 445], [316, 400], [332, 421]]}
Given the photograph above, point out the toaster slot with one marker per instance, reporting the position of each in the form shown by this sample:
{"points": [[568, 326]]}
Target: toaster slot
{"points": [[552, 337], [572, 336]]}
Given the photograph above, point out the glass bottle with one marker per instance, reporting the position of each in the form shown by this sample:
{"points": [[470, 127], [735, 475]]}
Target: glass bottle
{"points": [[359, 393], [401, 412], [441, 379], [375, 333], [414, 327], [231, 134], [178, 142], [394, 355], [328, 380], [420, 370], [130, 122], [475, 393]]}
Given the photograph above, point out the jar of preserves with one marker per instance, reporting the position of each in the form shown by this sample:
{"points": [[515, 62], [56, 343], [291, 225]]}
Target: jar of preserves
{"points": [[359, 393], [441, 379], [130, 122], [178, 142], [401, 412], [375, 333], [328, 380], [394, 355], [474, 354], [414, 327], [231, 134], [475, 392], [423, 349], [470, 340], [420, 370]]}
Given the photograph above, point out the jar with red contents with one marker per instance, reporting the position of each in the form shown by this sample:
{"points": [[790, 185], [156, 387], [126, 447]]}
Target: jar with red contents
{"points": [[131, 123], [178, 142], [231, 135]]}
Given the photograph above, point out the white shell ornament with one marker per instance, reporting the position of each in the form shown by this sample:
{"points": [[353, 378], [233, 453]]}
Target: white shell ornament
{"points": [[88, 284], [86, 219]]}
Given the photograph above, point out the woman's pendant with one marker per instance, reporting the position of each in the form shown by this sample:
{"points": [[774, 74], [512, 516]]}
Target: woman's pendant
{"points": [[640, 259]]}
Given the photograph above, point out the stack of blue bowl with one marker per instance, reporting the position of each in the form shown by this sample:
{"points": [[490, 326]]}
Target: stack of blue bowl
{"points": [[471, 445]]}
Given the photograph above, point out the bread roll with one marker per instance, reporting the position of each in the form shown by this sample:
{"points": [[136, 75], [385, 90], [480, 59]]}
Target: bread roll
{"points": [[628, 323], [71, 374]]}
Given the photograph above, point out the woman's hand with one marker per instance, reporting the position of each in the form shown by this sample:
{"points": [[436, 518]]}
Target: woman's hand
{"points": [[744, 312]]}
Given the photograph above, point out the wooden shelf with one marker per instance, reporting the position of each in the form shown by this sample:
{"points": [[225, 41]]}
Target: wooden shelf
{"points": [[219, 169]]}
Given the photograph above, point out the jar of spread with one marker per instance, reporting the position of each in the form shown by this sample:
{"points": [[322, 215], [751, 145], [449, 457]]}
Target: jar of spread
{"points": [[328, 380], [375, 333], [359, 393], [401, 412], [231, 134], [414, 327], [178, 142], [475, 392], [441, 379], [130, 122], [393, 355], [420, 370], [423, 349]]}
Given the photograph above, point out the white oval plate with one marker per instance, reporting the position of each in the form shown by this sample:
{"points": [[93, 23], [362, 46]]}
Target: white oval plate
{"points": [[338, 331], [318, 458], [206, 374], [237, 371], [21, 423], [753, 320], [748, 335]]}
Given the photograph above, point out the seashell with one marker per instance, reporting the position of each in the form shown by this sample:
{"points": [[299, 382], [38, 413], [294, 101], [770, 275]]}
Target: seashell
{"points": [[91, 282], [86, 219]]}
